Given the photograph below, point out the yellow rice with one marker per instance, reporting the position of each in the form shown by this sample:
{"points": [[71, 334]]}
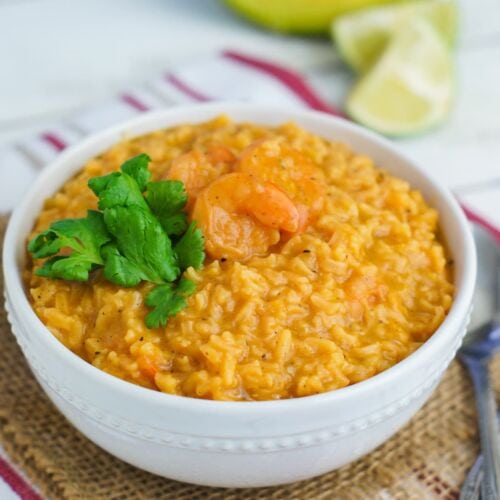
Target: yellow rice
{"points": [[280, 326]]}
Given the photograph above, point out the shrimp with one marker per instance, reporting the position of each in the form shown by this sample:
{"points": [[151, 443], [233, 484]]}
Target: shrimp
{"points": [[241, 216], [290, 170], [197, 169], [363, 291], [218, 153]]}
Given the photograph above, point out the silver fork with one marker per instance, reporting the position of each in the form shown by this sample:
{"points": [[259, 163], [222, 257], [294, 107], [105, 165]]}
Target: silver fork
{"points": [[480, 345], [472, 484]]}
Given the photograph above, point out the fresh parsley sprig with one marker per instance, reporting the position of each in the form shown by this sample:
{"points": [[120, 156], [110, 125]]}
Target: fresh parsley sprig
{"points": [[140, 233], [85, 237]]}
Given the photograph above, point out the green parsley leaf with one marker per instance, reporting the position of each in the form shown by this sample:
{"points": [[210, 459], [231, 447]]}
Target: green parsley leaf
{"points": [[123, 188], [137, 168], [141, 241], [190, 248], [85, 237], [119, 270], [167, 199], [117, 189], [71, 268], [167, 300]]}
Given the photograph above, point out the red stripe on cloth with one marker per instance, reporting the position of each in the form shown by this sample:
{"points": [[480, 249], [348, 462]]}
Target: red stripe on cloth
{"points": [[186, 89], [478, 219], [292, 80], [16, 482], [55, 141], [134, 102]]}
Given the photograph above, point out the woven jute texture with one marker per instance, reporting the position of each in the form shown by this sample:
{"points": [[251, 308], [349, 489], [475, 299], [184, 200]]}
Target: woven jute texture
{"points": [[427, 459]]}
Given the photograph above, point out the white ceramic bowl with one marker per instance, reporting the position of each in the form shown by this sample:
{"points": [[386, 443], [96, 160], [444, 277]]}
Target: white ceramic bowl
{"points": [[236, 443]]}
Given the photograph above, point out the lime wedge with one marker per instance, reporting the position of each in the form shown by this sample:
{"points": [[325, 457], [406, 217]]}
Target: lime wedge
{"points": [[361, 36], [410, 87]]}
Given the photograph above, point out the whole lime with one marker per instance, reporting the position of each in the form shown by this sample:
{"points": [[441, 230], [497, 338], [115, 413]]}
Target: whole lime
{"points": [[298, 16]]}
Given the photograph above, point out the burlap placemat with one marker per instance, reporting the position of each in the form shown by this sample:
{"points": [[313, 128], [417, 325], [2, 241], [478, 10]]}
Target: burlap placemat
{"points": [[427, 459]]}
